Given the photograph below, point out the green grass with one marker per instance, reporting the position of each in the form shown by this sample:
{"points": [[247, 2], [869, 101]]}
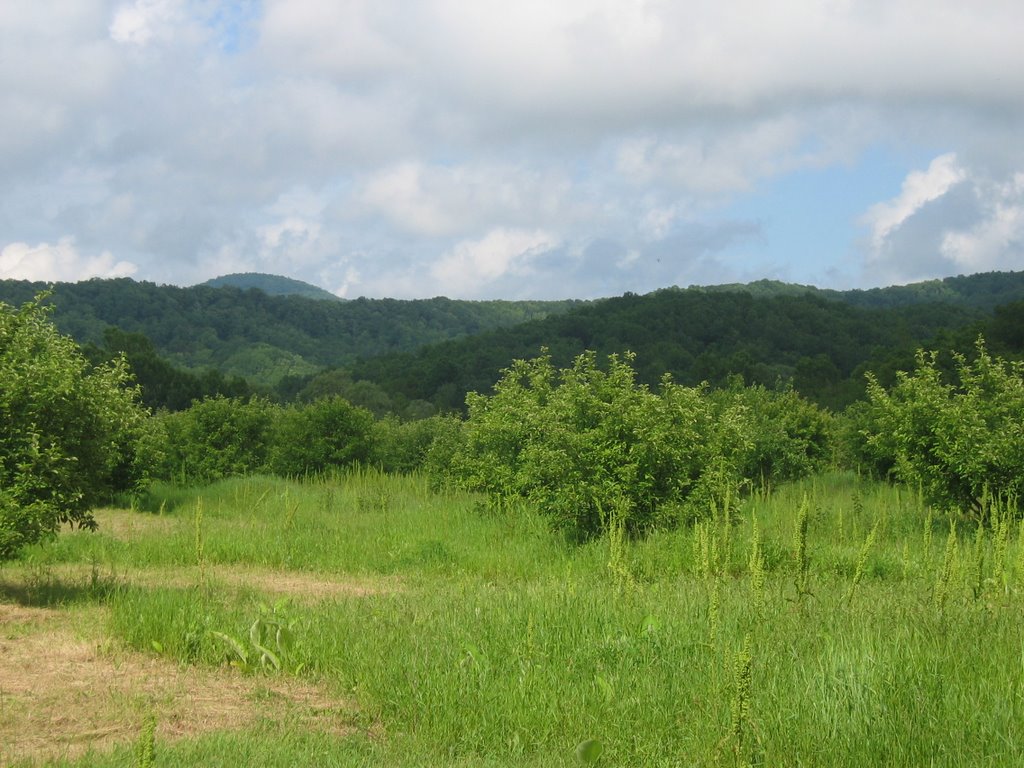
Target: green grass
{"points": [[502, 645]]}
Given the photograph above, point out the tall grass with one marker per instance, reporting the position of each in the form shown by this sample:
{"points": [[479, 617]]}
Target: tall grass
{"points": [[835, 622]]}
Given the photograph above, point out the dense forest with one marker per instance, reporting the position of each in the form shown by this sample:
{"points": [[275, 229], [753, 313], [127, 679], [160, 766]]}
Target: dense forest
{"points": [[248, 333], [822, 347], [415, 358]]}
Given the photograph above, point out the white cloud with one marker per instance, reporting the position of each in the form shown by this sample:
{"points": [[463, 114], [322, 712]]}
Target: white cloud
{"points": [[472, 264], [338, 39], [427, 129], [997, 240], [947, 220], [60, 261], [919, 188], [436, 200], [140, 22]]}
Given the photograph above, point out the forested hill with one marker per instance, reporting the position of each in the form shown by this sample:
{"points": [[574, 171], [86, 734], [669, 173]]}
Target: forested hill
{"points": [[264, 338], [823, 346], [272, 285], [985, 291], [436, 350]]}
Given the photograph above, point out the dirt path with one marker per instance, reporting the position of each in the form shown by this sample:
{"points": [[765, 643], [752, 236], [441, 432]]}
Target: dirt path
{"points": [[65, 688]]}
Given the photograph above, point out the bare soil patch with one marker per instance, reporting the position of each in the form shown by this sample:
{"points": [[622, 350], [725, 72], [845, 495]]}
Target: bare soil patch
{"points": [[64, 689]]}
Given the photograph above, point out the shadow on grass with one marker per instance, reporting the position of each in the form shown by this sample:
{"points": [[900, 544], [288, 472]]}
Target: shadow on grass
{"points": [[38, 586]]}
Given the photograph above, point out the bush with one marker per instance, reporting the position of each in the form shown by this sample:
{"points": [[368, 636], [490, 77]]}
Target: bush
{"points": [[403, 446], [584, 443], [784, 436], [959, 442], [66, 429], [326, 433], [215, 438]]}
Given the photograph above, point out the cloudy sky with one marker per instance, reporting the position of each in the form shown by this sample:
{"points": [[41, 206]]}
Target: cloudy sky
{"points": [[530, 149]]}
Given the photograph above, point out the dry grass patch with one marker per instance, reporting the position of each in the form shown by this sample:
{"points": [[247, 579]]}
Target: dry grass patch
{"points": [[64, 689], [127, 525], [301, 586]]}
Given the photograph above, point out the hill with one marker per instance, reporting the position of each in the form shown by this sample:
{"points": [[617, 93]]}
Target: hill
{"points": [[272, 285], [984, 291], [435, 350], [822, 342], [261, 337]]}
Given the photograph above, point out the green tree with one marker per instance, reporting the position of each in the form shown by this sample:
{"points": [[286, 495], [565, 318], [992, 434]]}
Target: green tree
{"points": [[66, 428], [960, 441], [327, 433], [583, 443], [215, 438]]}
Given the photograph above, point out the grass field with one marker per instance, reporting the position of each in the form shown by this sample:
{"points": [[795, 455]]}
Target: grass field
{"points": [[363, 620]]}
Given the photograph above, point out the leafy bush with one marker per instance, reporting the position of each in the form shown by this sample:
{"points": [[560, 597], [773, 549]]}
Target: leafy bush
{"points": [[784, 436], [585, 444], [217, 437], [403, 446], [326, 433], [959, 442], [66, 429]]}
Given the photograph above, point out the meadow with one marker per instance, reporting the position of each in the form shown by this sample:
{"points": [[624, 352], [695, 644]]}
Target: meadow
{"points": [[360, 618]]}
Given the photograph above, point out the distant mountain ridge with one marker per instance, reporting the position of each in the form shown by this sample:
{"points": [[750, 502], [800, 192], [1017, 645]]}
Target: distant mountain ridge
{"points": [[768, 332], [436, 349], [265, 337], [983, 290], [272, 285]]}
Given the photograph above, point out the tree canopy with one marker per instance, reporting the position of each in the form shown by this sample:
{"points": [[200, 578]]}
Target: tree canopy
{"points": [[66, 428]]}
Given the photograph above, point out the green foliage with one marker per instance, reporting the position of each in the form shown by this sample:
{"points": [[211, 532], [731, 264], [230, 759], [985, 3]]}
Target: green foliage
{"points": [[786, 436], [223, 437], [821, 344], [261, 337], [66, 429], [962, 441], [324, 434], [272, 285], [270, 639], [217, 437], [404, 446], [581, 441], [162, 385]]}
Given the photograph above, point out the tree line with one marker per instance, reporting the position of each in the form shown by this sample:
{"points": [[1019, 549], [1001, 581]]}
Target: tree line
{"points": [[588, 443]]}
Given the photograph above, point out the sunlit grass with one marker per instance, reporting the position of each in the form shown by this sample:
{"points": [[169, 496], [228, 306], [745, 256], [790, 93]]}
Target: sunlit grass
{"points": [[495, 643]]}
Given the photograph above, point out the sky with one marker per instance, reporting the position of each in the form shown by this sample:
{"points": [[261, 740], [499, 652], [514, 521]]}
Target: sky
{"points": [[536, 149]]}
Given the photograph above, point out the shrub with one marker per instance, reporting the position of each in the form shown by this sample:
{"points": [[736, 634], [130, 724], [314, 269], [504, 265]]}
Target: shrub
{"points": [[403, 446], [959, 442], [215, 438], [784, 436], [326, 433], [66, 429], [581, 442]]}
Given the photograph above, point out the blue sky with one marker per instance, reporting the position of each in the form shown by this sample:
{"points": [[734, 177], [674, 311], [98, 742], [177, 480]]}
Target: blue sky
{"points": [[539, 149]]}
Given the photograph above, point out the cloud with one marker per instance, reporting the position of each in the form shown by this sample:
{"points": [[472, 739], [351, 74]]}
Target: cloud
{"points": [[140, 22], [949, 219], [435, 139], [996, 241], [61, 261], [440, 200], [919, 188], [472, 264]]}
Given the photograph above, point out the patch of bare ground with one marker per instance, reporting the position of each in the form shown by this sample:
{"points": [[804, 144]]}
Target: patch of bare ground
{"points": [[64, 689]]}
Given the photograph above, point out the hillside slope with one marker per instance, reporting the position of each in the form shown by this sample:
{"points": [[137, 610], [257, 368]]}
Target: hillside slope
{"points": [[821, 343], [272, 285], [264, 338]]}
